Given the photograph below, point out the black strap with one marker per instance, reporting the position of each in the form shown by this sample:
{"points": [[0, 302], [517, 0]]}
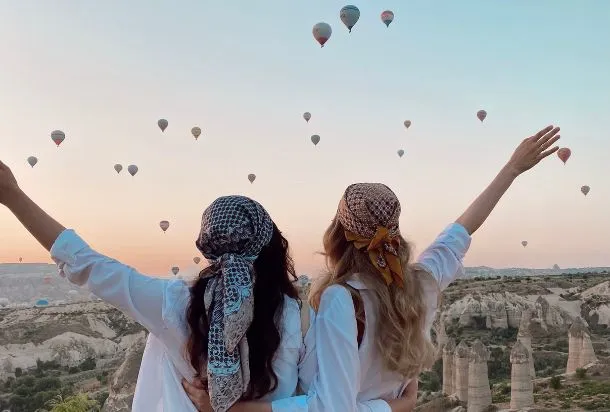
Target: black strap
{"points": [[360, 313]]}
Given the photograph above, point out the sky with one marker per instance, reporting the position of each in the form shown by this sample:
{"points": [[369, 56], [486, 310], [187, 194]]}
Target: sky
{"points": [[105, 72]]}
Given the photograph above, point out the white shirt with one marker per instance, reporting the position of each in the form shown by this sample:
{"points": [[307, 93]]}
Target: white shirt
{"points": [[160, 306], [335, 372]]}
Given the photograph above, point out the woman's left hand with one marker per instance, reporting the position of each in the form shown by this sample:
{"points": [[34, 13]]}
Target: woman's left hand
{"points": [[198, 394]]}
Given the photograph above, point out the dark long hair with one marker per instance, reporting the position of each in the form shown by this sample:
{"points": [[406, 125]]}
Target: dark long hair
{"points": [[274, 276]]}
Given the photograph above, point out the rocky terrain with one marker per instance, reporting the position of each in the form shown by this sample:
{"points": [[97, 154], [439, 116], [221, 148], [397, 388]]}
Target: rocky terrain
{"points": [[67, 348]]}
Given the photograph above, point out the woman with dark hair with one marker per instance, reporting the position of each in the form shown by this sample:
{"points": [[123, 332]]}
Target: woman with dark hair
{"points": [[237, 327]]}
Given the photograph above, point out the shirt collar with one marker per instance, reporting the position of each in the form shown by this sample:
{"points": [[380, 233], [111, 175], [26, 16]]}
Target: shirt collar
{"points": [[356, 282]]}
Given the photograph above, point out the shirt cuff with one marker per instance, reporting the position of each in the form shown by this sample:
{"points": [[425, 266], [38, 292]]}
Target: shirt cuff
{"points": [[294, 404], [64, 251], [378, 405], [460, 237]]}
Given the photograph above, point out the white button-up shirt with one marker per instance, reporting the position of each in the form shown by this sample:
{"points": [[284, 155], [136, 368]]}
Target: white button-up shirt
{"points": [[337, 374]]}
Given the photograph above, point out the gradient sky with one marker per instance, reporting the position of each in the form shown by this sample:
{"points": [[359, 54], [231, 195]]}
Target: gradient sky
{"points": [[105, 71]]}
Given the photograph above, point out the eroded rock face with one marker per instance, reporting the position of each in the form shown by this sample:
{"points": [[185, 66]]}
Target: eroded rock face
{"points": [[522, 388], [503, 310], [581, 351], [123, 383]]}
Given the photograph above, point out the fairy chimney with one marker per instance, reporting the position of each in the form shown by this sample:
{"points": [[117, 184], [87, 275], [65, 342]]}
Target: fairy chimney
{"points": [[521, 383], [525, 337], [448, 367], [479, 393], [580, 352], [460, 373]]}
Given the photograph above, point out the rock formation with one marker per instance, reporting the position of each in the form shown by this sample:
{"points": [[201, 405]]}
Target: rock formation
{"points": [[460, 373], [580, 352], [448, 367], [479, 393], [525, 337], [521, 383], [123, 383], [503, 310], [441, 335]]}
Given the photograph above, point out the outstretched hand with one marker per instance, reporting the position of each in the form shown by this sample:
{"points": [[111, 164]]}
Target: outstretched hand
{"points": [[8, 183], [533, 149]]}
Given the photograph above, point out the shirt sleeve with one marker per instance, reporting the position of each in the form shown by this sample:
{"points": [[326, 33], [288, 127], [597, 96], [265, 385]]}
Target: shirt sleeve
{"points": [[443, 258], [336, 385], [136, 295]]}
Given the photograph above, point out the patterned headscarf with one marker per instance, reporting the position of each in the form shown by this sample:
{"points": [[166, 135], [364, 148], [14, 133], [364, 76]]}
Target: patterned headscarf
{"points": [[234, 230], [369, 213]]}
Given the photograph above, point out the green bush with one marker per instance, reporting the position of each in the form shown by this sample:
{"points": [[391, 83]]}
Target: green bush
{"points": [[556, 382], [581, 373], [18, 372]]}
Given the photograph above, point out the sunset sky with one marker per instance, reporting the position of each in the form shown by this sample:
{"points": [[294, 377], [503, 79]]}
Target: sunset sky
{"points": [[104, 72]]}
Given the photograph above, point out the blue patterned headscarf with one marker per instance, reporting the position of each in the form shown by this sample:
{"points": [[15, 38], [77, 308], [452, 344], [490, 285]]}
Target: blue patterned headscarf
{"points": [[234, 230]]}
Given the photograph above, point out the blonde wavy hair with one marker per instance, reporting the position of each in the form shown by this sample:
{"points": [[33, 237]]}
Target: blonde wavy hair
{"points": [[401, 316]]}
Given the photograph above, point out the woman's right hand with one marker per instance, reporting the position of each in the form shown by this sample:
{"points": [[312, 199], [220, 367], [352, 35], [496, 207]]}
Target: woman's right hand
{"points": [[533, 149], [8, 183], [408, 399]]}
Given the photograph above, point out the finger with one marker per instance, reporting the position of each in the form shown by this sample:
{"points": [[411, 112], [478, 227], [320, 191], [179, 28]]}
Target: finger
{"points": [[549, 143], [542, 132], [191, 390], [548, 136], [546, 153], [198, 383]]}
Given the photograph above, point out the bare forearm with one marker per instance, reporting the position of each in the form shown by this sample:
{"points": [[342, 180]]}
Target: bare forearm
{"points": [[481, 208], [42, 226], [252, 406]]}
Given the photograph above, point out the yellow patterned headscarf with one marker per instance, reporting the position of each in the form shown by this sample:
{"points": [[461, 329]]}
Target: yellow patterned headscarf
{"points": [[369, 212]]}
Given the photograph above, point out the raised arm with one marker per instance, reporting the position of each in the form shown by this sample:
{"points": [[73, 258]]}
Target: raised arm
{"points": [[528, 154], [137, 295]]}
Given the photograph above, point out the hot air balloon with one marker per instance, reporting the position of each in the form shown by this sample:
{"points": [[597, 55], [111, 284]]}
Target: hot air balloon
{"points": [[118, 168], [196, 259], [400, 153], [132, 169], [349, 16], [387, 17], [58, 136], [322, 32], [524, 243], [481, 114], [196, 131], [564, 154], [315, 139], [585, 190], [4, 302], [164, 225], [251, 177], [32, 160], [175, 270], [20, 259], [162, 123], [307, 116], [407, 123]]}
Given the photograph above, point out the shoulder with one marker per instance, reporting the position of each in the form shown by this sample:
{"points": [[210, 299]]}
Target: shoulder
{"points": [[336, 298], [176, 298]]}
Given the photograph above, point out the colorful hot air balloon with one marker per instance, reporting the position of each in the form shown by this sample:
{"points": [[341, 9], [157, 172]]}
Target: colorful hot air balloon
{"points": [[132, 169], [162, 123], [407, 123], [32, 160], [400, 153], [164, 225], [307, 116], [196, 131], [175, 270], [58, 136], [585, 190], [251, 177], [322, 32], [349, 16], [118, 168], [315, 139], [564, 154], [481, 114], [42, 302], [196, 259], [387, 17], [524, 243]]}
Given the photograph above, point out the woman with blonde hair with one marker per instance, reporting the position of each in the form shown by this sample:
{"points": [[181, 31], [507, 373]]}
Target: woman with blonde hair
{"points": [[370, 333]]}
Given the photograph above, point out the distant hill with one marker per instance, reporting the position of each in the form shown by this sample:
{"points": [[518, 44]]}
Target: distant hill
{"points": [[487, 271]]}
